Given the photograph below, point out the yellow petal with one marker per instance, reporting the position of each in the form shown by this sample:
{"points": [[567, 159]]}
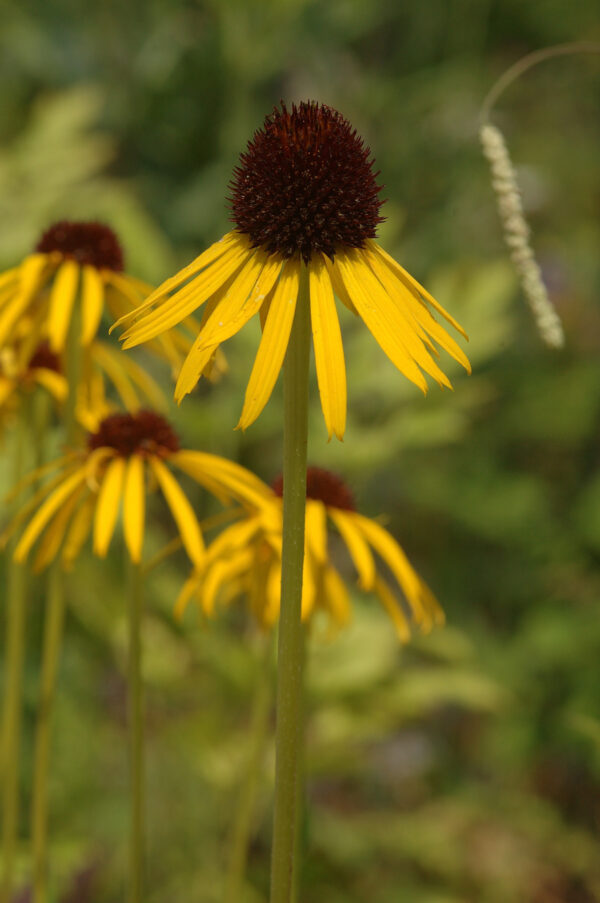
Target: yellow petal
{"points": [[55, 531], [107, 507], [191, 586], [412, 282], [182, 511], [92, 303], [273, 343], [336, 596], [57, 498], [238, 307], [393, 608], [78, 531], [31, 276], [207, 257], [413, 336], [378, 312], [112, 365], [329, 350], [231, 479], [222, 572], [390, 551], [177, 307], [408, 297], [62, 298], [134, 508], [316, 529], [356, 545], [53, 382]]}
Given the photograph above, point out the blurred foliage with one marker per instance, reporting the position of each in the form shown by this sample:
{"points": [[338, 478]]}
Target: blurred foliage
{"points": [[465, 767]]}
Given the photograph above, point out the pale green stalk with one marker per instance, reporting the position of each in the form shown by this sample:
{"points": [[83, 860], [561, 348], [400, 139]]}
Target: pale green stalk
{"points": [[54, 615], [257, 733], [136, 738], [290, 649], [53, 630], [13, 694]]}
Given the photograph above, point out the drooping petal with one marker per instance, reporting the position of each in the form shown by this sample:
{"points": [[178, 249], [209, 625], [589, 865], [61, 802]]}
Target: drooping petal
{"points": [[329, 350], [92, 303], [273, 343], [378, 312], [177, 307], [337, 600], [229, 479], [54, 383], [107, 507], [392, 606], [31, 276], [134, 507], [182, 511], [408, 297], [414, 337], [79, 531], [62, 298], [357, 546], [55, 531], [412, 282], [316, 529], [212, 253], [386, 546], [53, 502], [230, 316]]}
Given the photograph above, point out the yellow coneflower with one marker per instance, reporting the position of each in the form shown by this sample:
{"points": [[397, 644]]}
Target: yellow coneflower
{"points": [[22, 369], [78, 267], [124, 458], [305, 203], [245, 560]]}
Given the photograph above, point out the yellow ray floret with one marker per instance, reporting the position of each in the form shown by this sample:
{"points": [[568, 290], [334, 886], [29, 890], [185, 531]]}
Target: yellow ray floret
{"points": [[245, 561], [236, 281], [84, 492]]}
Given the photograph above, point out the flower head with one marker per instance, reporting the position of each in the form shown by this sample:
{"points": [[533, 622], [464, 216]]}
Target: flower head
{"points": [[24, 367], [245, 560], [127, 456], [75, 265], [305, 203]]}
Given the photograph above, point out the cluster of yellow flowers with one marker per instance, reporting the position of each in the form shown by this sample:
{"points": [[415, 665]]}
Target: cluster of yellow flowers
{"points": [[305, 206], [74, 281]]}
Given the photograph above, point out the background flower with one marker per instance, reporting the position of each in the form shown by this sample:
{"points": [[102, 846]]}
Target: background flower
{"points": [[125, 458], [245, 559]]}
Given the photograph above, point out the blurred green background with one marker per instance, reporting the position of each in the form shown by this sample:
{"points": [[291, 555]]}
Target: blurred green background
{"points": [[464, 768]]}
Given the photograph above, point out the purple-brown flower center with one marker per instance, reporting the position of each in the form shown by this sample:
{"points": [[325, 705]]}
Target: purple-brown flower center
{"points": [[143, 433], [92, 243], [306, 184], [44, 357], [324, 486]]}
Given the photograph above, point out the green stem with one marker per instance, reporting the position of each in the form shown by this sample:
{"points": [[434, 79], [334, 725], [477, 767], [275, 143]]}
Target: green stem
{"points": [[300, 835], [13, 695], [136, 737], [53, 630], [54, 614], [289, 658], [259, 723]]}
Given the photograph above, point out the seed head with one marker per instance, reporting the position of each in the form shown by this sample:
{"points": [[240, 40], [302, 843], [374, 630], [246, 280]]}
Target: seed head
{"points": [[306, 184], [92, 243]]}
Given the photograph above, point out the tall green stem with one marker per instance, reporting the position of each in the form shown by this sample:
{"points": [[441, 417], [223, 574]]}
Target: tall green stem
{"points": [[53, 629], [13, 694], [299, 838], [54, 615], [259, 723], [290, 648], [136, 737]]}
